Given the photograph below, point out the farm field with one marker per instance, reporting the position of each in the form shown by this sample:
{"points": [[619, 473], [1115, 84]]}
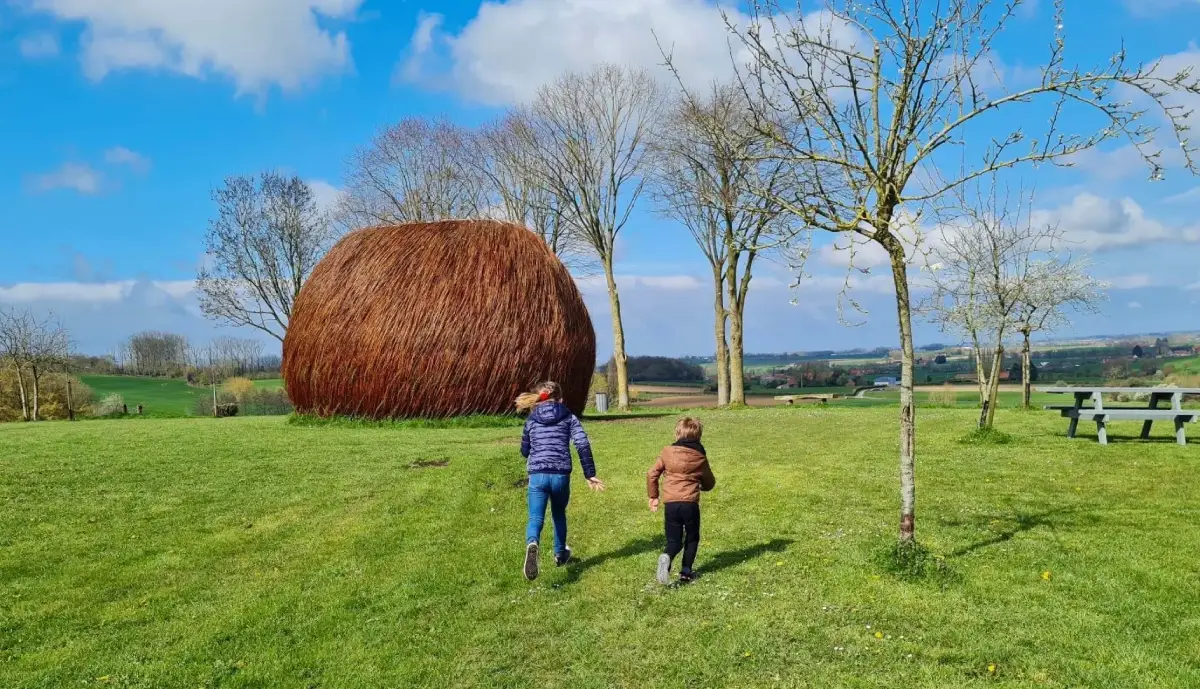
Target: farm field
{"points": [[251, 552], [161, 397]]}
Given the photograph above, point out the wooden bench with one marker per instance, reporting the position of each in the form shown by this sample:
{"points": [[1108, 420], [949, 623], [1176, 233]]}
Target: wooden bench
{"points": [[792, 399], [1147, 415]]}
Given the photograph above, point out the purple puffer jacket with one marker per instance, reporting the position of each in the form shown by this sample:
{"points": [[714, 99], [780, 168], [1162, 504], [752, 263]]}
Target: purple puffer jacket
{"points": [[546, 443]]}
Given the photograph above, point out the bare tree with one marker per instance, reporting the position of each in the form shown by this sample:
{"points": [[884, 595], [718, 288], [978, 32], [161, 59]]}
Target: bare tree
{"points": [[267, 237], [504, 165], [1057, 285], [589, 134], [709, 170], [866, 97], [36, 346], [413, 171], [16, 348], [983, 270]]}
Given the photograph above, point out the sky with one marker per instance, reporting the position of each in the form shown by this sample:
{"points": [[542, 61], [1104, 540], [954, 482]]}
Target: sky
{"points": [[117, 119]]}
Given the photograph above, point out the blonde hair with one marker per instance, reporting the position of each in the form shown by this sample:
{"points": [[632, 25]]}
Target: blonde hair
{"points": [[689, 429], [526, 401]]}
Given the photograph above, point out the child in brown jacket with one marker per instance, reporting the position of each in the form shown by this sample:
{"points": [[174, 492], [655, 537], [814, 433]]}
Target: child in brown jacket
{"points": [[687, 474]]}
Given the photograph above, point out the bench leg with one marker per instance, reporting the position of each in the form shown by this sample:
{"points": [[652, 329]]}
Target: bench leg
{"points": [[1102, 432], [1146, 429], [1180, 434], [1072, 427]]}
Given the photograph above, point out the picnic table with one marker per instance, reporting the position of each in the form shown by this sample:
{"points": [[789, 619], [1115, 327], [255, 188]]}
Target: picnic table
{"points": [[1148, 414]]}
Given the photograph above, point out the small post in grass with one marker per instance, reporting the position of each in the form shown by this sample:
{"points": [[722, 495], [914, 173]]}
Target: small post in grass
{"points": [[70, 403]]}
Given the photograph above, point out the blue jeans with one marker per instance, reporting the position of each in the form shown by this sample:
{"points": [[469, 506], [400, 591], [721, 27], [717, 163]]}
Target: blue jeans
{"points": [[555, 489]]}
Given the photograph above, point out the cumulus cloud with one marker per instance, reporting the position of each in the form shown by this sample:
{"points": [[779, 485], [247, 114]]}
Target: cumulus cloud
{"points": [[258, 44], [39, 46], [1096, 224], [1135, 305], [510, 49], [79, 177], [89, 292], [120, 155], [325, 194], [1135, 281]]}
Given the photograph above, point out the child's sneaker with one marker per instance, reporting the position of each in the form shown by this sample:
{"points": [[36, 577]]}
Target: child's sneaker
{"points": [[687, 577], [664, 569], [531, 561], [563, 558]]}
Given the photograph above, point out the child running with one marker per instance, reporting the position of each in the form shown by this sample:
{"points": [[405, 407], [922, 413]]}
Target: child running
{"points": [[546, 444], [687, 474]]}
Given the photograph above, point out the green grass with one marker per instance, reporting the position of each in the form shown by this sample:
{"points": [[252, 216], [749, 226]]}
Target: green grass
{"points": [[160, 397], [254, 553]]}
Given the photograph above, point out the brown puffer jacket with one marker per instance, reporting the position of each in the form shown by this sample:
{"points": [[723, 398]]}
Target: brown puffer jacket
{"points": [[687, 473]]}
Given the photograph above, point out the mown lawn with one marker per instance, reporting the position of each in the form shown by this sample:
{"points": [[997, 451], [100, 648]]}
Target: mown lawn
{"points": [[253, 553]]}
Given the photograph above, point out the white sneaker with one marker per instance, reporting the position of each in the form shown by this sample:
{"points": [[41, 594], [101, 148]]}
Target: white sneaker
{"points": [[664, 569]]}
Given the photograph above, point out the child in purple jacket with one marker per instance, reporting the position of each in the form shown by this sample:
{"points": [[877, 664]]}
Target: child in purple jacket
{"points": [[546, 444]]}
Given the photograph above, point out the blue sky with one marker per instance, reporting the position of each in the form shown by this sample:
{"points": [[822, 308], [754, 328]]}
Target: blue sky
{"points": [[118, 119]]}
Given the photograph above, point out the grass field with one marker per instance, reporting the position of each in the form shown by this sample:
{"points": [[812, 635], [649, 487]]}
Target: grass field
{"points": [[254, 553], [161, 397]]}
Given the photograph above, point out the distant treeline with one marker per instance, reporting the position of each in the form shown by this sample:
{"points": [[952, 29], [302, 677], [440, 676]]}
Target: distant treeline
{"points": [[659, 369]]}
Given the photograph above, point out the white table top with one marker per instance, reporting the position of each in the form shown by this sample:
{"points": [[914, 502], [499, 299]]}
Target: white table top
{"points": [[1084, 389]]}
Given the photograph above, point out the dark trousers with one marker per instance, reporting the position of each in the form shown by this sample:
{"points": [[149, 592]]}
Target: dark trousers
{"points": [[683, 531]]}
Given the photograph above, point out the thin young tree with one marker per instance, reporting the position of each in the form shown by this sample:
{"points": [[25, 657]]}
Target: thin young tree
{"points": [[268, 236], [709, 165], [1058, 285], [413, 171], [49, 352], [16, 348], [870, 98], [590, 133], [982, 272]]}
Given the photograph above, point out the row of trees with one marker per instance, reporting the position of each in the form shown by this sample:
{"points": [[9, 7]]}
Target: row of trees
{"points": [[866, 120], [32, 348], [154, 353]]}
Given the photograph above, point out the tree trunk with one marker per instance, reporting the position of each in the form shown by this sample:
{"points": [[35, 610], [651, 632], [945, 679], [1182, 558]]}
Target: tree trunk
{"points": [[618, 327], [37, 386], [721, 319], [981, 378], [1026, 372], [994, 386], [737, 368], [21, 387], [908, 416]]}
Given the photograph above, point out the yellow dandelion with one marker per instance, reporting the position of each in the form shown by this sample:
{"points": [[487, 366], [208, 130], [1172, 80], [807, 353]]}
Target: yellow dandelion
{"points": [[747, 654], [1046, 575], [878, 635], [991, 668]]}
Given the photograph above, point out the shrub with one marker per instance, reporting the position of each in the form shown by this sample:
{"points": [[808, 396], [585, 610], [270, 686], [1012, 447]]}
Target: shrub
{"points": [[52, 400], [111, 405], [227, 410], [204, 403], [240, 388], [261, 402]]}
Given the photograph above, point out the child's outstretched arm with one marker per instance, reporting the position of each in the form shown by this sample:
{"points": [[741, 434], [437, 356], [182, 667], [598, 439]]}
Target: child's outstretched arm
{"points": [[707, 480], [652, 477]]}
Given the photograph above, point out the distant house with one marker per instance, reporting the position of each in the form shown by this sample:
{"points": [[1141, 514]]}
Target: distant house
{"points": [[1184, 350], [888, 381]]}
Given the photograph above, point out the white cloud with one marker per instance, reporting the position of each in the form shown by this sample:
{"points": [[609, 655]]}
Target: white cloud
{"points": [[1097, 223], [79, 177], [120, 155], [1195, 286], [510, 49], [1135, 305], [256, 43], [1189, 196], [39, 46], [1147, 8], [867, 255], [88, 292], [420, 46], [1135, 281], [325, 194]]}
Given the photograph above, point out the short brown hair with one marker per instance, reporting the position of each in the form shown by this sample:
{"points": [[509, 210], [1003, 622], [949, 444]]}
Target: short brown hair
{"points": [[689, 429]]}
